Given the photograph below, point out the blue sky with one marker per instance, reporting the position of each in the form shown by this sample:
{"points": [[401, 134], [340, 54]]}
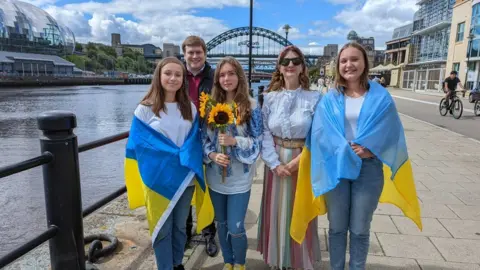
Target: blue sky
{"points": [[315, 22]]}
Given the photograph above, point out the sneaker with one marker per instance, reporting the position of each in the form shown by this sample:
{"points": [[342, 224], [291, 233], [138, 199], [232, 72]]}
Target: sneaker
{"points": [[239, 267], [178, 267], [228, 266]]}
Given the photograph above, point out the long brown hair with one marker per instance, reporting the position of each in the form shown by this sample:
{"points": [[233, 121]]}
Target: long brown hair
{"points": [[340, 82], [156, 95], [278, 82], [241, 93]]}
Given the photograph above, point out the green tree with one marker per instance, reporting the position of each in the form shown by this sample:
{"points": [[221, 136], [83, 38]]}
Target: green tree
{"points": [[78, 47]]}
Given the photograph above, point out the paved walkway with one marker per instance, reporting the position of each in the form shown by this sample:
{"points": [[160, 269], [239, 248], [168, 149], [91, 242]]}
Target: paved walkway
{"points": [[448, 182]]}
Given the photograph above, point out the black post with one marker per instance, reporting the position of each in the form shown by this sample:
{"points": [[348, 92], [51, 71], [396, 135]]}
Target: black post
{"points": [[63, 198], [260, 95], [250, 46]]}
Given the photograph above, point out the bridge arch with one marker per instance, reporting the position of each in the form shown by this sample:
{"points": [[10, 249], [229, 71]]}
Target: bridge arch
{"points": [[245, 31]]}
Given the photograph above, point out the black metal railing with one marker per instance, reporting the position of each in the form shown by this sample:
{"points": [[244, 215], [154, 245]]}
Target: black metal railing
{"points": [[61, 176]]}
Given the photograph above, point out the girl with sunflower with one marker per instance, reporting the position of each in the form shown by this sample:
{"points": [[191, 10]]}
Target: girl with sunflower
{"points": [[230, 170], [287, 116]]}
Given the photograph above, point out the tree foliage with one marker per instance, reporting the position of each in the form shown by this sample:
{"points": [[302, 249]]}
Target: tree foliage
{"points": [[100, 58]]}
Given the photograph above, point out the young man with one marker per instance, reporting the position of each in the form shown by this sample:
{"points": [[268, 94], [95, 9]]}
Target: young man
{"points": [[200, 79], [450, 85]]}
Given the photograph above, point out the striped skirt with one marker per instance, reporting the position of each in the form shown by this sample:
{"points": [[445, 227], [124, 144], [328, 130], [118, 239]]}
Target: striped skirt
{"points": [[274, 241]]}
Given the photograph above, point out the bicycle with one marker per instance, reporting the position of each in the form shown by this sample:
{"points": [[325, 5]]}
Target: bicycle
{"points": [[455, 107]]}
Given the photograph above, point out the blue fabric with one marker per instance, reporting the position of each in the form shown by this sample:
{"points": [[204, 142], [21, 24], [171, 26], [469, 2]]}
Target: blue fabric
{"points": [[230, 211], [169, 246], [379, 129], [350, 208], [161, 162]]}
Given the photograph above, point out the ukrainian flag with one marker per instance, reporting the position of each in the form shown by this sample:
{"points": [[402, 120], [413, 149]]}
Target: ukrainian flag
{"points": [[157, 172], [327, 157]]}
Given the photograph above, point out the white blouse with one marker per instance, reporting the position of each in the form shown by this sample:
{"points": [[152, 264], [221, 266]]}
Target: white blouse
{"points": [[286, 114]]}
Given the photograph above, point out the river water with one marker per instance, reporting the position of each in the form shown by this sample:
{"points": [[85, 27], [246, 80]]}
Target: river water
{"points": [[101, 111]]}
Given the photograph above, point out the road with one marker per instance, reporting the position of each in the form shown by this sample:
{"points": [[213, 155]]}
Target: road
{"points": [[425, 107]]}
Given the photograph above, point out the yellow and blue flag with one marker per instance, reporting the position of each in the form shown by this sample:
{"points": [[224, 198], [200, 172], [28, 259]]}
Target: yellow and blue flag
{"points": [[157, 172], [327, 157]]}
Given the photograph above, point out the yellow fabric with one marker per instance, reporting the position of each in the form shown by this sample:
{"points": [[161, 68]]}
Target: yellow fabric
{"points": [[400, 192], [140, 195], [305, 207]]}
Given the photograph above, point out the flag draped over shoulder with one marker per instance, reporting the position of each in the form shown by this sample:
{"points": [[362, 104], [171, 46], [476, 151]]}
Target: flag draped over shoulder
{"points": [[157, 172], [327, 157]]}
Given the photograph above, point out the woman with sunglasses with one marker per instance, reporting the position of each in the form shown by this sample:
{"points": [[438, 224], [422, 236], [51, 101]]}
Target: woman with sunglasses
{"points": [[287, 116]]}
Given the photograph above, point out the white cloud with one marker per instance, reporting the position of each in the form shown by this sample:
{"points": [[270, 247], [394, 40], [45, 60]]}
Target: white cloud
{"points": [[326, 32], [293, 33], [378, 18], [154, 21], [313, 48]]}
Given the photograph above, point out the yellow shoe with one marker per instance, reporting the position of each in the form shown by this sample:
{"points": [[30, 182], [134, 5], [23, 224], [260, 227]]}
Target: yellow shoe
{"points": [[228, 266], [239, 267]]}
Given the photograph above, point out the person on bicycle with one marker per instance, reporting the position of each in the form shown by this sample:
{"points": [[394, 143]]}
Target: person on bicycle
{"points": [[450, 85]]}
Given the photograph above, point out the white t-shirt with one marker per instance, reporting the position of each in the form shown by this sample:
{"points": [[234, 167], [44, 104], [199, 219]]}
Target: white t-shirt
{"points": [[352, 111], [170, 124]]}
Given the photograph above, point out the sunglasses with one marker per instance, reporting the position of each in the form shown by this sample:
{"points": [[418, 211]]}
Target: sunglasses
{"points": [[286, 61]]}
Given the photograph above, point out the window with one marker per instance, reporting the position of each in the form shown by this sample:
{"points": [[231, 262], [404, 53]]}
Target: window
{"points": [[456, 67], [460, 32]]}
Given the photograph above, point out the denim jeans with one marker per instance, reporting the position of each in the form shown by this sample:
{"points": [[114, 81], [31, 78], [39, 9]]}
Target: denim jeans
{"points": [[230, 211], [169, 246], [350, 208]]}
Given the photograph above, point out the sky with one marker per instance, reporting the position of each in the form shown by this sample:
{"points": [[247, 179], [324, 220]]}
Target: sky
{"points": [[314, 23]]}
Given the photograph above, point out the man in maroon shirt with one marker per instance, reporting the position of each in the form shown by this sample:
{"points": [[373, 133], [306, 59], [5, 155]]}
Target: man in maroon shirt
{"points": [[200, 79]]}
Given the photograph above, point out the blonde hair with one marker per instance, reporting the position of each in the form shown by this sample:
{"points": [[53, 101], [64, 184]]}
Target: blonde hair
{"points": [[340, 82], [242, 97], [278, 82], [156, 94]]}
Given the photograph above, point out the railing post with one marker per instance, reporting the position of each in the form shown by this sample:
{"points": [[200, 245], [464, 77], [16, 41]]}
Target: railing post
{"points": [[63, 199]]}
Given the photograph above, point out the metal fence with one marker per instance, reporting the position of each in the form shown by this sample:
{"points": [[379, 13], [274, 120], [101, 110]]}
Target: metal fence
{"points": [[63, 200]]}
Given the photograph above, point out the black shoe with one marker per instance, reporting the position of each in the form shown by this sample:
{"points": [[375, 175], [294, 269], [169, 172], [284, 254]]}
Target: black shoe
{"points": [[179, 267], [211, 246]]}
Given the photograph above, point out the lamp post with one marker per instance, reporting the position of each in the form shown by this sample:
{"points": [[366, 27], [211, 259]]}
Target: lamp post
{"points": [[470, 38], [286, 27], [250, 47]]}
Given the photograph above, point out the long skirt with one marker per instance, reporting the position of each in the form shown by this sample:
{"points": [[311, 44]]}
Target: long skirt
{"points": [[274, 241]]}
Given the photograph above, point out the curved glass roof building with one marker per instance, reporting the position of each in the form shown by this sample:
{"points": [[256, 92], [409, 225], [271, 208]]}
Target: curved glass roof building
{"points": [[29, 29]]}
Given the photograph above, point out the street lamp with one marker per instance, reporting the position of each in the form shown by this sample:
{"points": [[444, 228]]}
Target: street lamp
{"points": [[470, 38], [286, 27], [250, 47]]}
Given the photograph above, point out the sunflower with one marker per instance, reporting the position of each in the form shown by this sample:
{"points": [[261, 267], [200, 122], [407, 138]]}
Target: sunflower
{"points": [[203, 103], [221, 115]]}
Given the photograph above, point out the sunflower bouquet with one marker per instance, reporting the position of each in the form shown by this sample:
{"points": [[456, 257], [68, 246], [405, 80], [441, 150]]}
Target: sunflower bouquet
{"points": [[219, 116]]}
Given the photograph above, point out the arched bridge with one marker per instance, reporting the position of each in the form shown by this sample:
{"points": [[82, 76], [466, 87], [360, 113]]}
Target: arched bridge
{"points": [[266, 45]]}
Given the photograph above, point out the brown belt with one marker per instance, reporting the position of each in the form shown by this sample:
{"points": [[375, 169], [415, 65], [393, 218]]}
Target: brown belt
{"points": [[289, 143]]}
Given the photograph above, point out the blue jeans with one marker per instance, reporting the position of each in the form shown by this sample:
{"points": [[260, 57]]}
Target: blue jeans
{"points": [[350, 208], [230, 211], [169, 246]]}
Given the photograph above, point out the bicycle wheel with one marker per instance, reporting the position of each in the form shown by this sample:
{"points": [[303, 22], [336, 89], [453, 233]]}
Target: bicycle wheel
{"points": [[476, 108], [443, 107], [457, 108]]}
